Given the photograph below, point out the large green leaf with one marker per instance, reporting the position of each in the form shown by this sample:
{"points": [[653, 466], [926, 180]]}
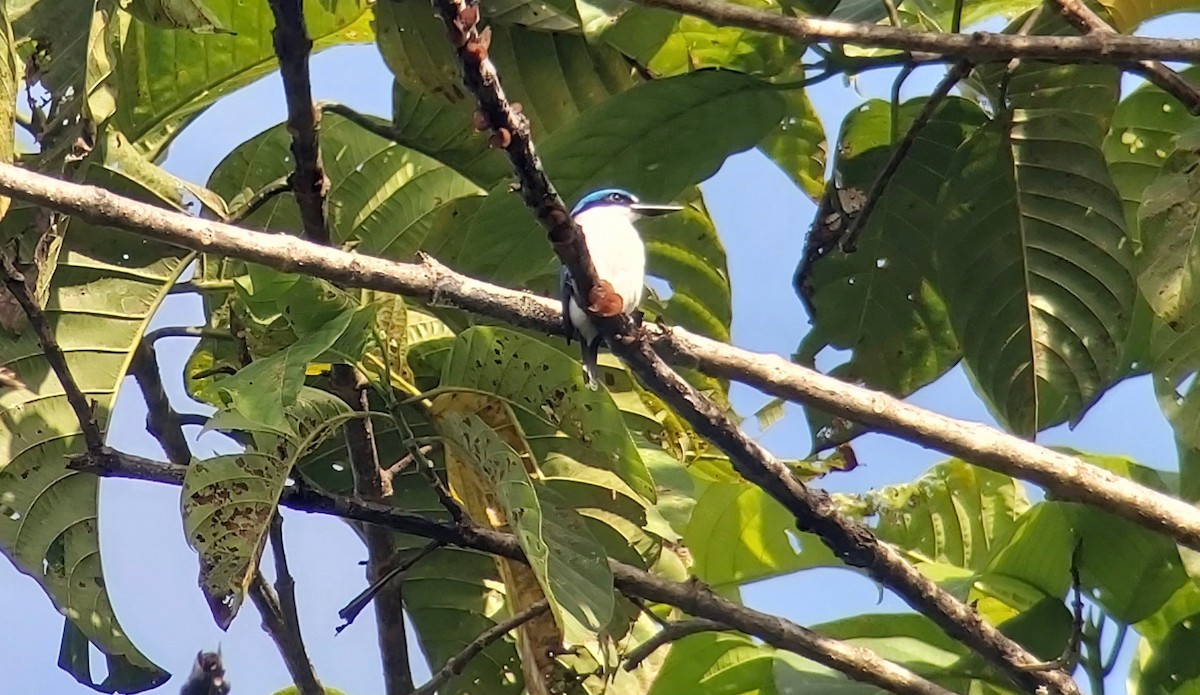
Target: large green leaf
{"points": [[1128, 15], [737, 533], [102, 293], [880, 302], [227, 501], [383, 198], [8, 96], [1034, 268], [569, 563], [1172, 665], [955, 513], [192, 15], [555, 76], [656, 140], [443, 130], [166, 77]]}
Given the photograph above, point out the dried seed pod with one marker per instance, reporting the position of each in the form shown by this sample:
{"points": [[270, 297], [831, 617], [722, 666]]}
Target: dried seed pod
{"points": [[604, 301], [500, 139]]}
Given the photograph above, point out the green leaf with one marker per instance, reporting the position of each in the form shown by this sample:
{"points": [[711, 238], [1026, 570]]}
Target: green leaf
{"points": [[955, 513], [705, 662], [880, 302], [1169, 262], [738, 533], [1034, 212], [555, 76], [1172, 664], [167, 77], [555, 15], [546, 387], [105, 286], [105, 40], [192, 15], [265, 389], [656, 140], [569, 563], [797, 145], [669, 44], [435, 127], [227, 501], [1142, 134], [383, 198]]}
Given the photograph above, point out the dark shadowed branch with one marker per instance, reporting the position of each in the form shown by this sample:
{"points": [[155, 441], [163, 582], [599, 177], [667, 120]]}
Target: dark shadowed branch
{"points": [[670, 632], [693, 597]]}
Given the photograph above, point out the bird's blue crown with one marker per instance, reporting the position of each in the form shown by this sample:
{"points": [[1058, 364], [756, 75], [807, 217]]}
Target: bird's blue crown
{"points": [[605, 196]]}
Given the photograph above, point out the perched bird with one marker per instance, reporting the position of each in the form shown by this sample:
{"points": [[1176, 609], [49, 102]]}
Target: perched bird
{"points": [[606, 218], [207, 677]]}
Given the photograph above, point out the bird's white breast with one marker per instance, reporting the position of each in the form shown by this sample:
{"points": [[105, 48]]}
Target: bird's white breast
{"points": [[617, 251]]}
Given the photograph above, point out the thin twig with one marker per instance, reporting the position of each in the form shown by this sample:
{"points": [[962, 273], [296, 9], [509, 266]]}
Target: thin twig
{"points": [[455, 664], [349, 612], [1067, 477], [162, 420], [309, 183], [405, 461], [671, 632], [813, 510], [1170, 81], [977, 47], [157, 334], [259, 198], [859, 222], [14, 279]]}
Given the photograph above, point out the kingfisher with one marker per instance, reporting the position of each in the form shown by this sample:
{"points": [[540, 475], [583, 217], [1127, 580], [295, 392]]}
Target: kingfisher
{"points": [[606, 218]]}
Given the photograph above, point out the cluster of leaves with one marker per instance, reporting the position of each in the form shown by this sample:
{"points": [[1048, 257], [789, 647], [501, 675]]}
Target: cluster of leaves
{"points": [[1083, 200]]}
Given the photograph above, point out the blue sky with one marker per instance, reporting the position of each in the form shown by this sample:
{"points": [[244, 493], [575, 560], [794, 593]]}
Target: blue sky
{"points": [[762, 218]]}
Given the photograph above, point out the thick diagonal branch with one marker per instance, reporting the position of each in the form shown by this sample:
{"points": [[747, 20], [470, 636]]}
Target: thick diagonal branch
{"points": [[693, 597], [813, 510], [1066, 477], [1078, 13], [309, 183], [977, 47]]}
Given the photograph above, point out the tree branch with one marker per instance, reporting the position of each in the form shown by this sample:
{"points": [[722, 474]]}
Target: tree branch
{"points": [[1066, 477], [977, 47], [813, 510], [670, 632], [309, 183], [455, 664], [275, 624], [162, 421], [372, 483], [1078, 13], [260, 198], [692, 596]]}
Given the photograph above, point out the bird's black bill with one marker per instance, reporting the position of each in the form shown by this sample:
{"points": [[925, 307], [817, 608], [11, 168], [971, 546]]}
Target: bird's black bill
{"points": [[653, 210]]}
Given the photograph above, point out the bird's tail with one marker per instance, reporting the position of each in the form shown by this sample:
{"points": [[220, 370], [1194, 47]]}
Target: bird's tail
{"points": [[591, 370]]}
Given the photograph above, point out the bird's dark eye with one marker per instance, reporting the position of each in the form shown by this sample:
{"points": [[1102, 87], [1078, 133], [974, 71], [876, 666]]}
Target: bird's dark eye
{"points": [[614, 197]]}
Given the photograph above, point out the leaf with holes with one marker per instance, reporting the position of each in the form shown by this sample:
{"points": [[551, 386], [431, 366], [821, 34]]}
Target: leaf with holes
{"points": [[547, 390], [227, 501], [105, 286], [880, 302]]}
